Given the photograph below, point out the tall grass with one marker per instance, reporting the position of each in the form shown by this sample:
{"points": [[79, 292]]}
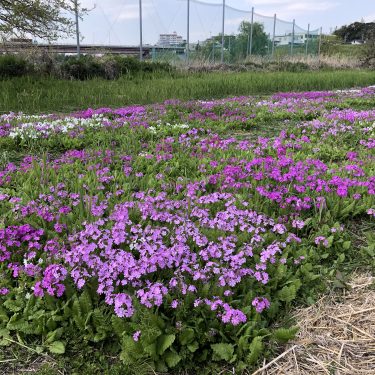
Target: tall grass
{"points": [[47, 95]]}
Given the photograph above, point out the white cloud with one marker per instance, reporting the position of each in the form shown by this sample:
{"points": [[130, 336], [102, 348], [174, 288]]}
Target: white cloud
{"points": [[370, 18], [311, 6]]}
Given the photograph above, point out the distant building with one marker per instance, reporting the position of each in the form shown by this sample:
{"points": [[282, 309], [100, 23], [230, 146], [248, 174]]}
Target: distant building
{"points": [[285, 40], [170, 40], [21, 40]]}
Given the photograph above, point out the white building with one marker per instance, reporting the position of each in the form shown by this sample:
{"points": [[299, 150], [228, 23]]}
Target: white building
{"points": [[299, 39], [170, 40]]}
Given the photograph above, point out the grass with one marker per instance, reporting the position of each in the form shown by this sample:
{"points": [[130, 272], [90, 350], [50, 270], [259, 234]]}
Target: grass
{"points": [[52, 95]]}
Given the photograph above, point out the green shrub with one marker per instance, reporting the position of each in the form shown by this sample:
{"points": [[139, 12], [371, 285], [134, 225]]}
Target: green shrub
{"points": [[13, 66], [82, 68]]}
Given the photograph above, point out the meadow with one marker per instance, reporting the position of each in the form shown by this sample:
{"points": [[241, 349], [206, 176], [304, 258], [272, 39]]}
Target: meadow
{"points": [[35, 95], [178, 236]]}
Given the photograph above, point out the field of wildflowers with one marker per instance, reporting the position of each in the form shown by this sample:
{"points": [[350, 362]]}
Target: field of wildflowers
{"points": [[178, 235]]}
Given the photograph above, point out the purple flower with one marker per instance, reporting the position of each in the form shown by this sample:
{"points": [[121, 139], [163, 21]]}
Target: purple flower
{"points": [[136, 335], [260, 304]]}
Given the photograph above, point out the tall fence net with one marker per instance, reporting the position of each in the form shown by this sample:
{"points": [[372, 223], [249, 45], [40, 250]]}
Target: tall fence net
{"points": [[193, 29]]}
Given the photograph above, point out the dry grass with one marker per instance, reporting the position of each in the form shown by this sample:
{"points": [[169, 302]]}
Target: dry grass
{"points": [[337, 336], [255, 63]]}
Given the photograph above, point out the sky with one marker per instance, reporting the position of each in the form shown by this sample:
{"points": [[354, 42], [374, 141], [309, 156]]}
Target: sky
{"points": [[116, 22]]}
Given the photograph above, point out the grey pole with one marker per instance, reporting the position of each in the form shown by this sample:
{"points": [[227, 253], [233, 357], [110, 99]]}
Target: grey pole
{"points": [[213, 51], [248, 45], [222, 34], [292, 44], [229, 49], [77, 27], [140, 32], [320, 42], [251, 31], [188, 32], [307, 40], [273, 35]]}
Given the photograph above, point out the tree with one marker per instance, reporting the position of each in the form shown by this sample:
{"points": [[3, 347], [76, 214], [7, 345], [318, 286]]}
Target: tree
{"points": [[368, 53], [236, 47], [355, 31], [46, 19]]}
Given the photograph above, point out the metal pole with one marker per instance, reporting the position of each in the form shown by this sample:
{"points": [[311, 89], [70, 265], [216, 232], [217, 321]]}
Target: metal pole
{"points": [[222, 34], [248, 45], [307, 40], [273, 35], [320, 42], [188, 32], [229, 50], [292, 44], [213, 51], [251, 31], [140, 32], [77, 27]]}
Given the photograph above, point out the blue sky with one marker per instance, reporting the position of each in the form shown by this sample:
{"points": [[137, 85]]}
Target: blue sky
{"points": [[117, 21]]}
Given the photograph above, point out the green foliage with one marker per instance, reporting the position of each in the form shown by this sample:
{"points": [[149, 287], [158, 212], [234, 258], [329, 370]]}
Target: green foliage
{"points": [[356, 31], [256, 349], [50, 95], [236, 47], [13, 66], [40, 18], [223, 352], [285, 334]]}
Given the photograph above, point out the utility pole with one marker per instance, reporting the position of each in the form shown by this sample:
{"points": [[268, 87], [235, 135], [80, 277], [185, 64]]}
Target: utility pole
{"points": [[251, 31], [140, 32], [77, 27], [273, 35], [222, 34], [307, 40], [188, 32], [292, 44], [320, 42]]}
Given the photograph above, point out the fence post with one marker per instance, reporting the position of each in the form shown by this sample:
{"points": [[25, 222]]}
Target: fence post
{"points": [[140, 32], [188, 32], [77, 27], [251, 31], [307, 40], [273, 35], [248, 45], [213, 51], [222, 34], [229, 49], [292, 44], [320, 42]]}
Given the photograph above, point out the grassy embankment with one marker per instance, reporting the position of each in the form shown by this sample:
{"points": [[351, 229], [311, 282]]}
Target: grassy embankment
{"points": [[32, 95]]}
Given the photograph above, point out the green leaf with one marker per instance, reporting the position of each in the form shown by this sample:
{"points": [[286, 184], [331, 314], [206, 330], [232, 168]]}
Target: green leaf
{"points": [[164, 342], [288, 293], [54, 335], [57, 347], [223, 352], [256, 349], [77, 315], [85, 303], [172, 359], [186, 336], [193, 347], [285, 334], [5, 337], [119, 325], [346, 245]]}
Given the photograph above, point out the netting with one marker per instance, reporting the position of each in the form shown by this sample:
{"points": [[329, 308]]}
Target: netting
{"points": [[164, 26]]}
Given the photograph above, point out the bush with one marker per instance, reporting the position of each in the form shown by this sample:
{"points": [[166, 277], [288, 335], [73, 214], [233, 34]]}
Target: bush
{"points": [[368, 53], [13, 66], [82, 68]]}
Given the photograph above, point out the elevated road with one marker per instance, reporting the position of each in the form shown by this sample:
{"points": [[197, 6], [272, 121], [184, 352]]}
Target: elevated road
{"points": [[89, 49]]}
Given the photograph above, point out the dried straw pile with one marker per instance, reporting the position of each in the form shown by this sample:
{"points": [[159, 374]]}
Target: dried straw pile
{"points": [[337, 336]]}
